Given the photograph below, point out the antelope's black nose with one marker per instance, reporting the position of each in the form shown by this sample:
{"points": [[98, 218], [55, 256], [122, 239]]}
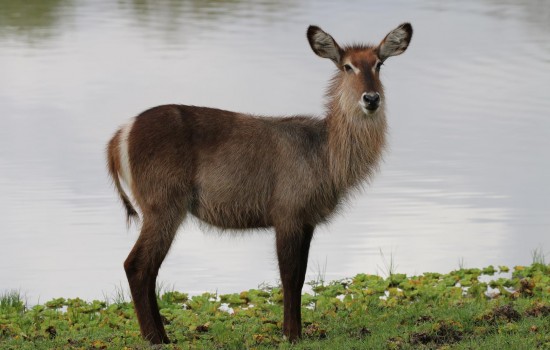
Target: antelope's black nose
{"points": [[371, 100]]}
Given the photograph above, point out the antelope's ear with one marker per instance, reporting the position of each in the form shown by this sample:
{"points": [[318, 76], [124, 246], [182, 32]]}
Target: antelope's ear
{"points": [[324, 45], [396, 42]]}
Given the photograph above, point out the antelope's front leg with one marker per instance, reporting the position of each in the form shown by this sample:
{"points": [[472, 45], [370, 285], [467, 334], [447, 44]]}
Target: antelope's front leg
{"points": [[292, 253]]}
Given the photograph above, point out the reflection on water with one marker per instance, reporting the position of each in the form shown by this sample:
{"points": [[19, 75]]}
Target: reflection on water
{"points": [[464, 178]]}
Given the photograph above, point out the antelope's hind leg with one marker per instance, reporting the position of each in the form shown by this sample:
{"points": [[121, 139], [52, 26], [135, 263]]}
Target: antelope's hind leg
{"points": [[142, 266]]}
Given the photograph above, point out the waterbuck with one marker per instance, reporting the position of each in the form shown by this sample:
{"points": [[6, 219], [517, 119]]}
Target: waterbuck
{"points": [[239, 171]]}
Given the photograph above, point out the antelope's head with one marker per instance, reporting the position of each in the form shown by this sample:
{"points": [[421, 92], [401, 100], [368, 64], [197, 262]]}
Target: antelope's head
{"points": [[359, 87]]}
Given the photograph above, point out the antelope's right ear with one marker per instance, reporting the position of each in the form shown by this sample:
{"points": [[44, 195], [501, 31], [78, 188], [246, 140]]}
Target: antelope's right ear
{"points": [[324, 45], [396, 42]]}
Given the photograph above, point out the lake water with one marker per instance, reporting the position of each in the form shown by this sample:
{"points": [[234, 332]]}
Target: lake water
{"points": [[464, 181]]}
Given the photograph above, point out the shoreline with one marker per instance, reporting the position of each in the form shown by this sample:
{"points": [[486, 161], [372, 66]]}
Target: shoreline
{"points": [[466, 308]]}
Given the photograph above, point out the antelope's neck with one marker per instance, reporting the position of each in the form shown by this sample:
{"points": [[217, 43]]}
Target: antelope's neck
{"points": [[355, 144]]}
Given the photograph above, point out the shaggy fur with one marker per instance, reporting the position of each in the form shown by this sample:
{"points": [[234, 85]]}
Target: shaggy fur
{"points": [[238, 171]]}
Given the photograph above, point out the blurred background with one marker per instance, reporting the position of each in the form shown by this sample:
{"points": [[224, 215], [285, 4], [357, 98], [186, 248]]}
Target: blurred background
{"points": [[464, 181]]}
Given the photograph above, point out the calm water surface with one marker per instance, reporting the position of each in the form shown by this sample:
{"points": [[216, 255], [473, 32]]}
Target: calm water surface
{"points": [[465, 177]]}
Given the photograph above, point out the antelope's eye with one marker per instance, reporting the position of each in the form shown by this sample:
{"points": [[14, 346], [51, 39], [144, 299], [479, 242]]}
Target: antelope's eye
{"points": [[348, 68], [378, 65]]}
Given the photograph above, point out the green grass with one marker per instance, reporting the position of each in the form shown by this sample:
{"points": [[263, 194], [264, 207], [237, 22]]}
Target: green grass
{"points": [[538, 256], [430, 311]]}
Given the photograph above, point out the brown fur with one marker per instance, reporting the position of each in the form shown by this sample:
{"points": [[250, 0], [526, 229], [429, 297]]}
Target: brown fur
{"points": [[238, 171], [113, 164]]}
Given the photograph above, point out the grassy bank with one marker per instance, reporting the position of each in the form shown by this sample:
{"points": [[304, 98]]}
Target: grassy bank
{"points": [[431, 311]]}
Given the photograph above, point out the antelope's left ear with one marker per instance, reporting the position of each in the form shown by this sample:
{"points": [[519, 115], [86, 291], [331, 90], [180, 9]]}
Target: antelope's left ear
{"points": [[324, 45], [396, 42]]}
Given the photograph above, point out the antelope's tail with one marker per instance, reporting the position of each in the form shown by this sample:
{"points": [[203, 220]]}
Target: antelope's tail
{"points": [[113, 163]]}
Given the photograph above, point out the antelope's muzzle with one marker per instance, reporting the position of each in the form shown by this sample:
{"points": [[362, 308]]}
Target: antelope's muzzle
{"points": [[370, 101]]}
